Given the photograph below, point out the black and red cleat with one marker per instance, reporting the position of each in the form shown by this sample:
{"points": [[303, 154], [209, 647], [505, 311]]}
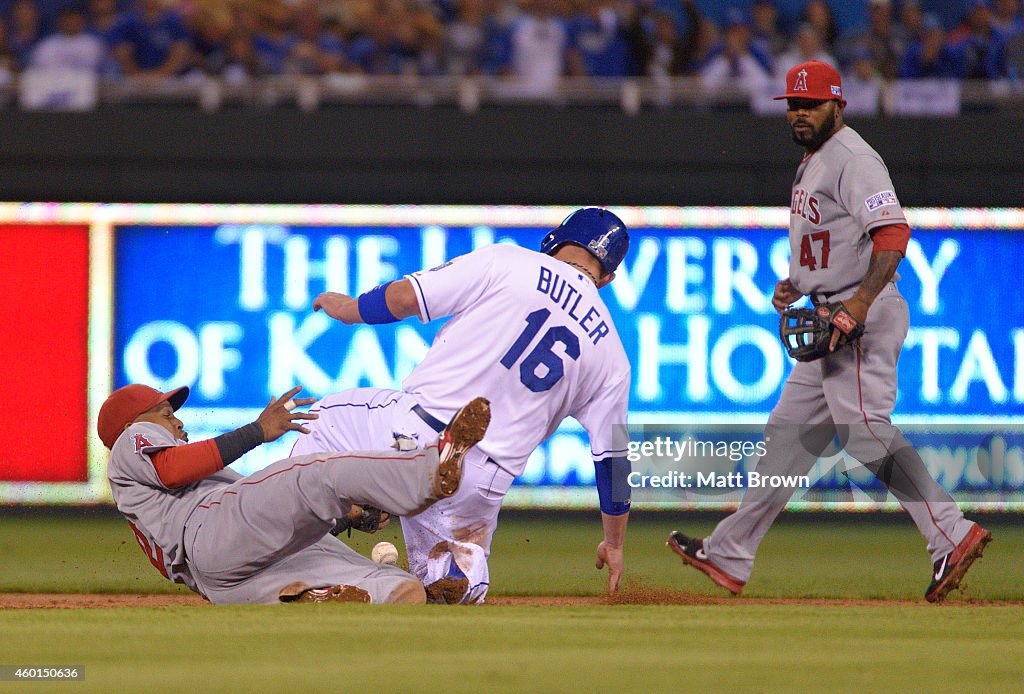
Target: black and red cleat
{"points": [[691, 550], [950, 570]]}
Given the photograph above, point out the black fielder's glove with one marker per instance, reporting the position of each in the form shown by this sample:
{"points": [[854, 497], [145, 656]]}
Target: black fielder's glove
{"points": [[806, 332], [366, 519]]}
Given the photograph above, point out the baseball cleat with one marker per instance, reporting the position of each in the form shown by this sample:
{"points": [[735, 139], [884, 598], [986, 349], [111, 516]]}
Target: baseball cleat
{"points": [[301, 592], [466, 429], [951, 568], [691, 550]]}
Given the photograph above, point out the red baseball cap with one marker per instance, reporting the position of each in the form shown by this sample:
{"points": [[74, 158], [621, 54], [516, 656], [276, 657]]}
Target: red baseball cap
{"points": [[125, 404], [814, 80]]}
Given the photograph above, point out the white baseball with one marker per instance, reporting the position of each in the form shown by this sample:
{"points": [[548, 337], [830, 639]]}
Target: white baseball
{"points": [[384, 553]]}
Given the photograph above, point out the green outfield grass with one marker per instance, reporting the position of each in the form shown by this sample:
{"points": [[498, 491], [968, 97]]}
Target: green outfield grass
{"points": [[744, 645], [855, 559], [350, 648]]}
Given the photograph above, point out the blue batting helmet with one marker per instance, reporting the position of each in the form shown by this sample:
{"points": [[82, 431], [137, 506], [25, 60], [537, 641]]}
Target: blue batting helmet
{"points": [[595, 229]]}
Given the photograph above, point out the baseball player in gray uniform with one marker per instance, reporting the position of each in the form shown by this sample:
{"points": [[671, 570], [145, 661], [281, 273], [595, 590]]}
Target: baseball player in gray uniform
{"points": [[266, 538], [847, 235]]}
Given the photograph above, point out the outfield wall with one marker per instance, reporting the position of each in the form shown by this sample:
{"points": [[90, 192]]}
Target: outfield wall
{"points": [[218, 297]]}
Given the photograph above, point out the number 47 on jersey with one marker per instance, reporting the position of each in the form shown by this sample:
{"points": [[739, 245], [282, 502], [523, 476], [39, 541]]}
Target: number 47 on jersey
{"points": [[814, 247]]}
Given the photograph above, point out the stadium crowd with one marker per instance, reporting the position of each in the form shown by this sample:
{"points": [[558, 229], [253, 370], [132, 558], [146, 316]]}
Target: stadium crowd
{"points": [[534, 41]]}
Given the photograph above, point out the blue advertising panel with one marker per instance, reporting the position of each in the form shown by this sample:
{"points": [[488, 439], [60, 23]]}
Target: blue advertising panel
{"points": [[226, 309]]}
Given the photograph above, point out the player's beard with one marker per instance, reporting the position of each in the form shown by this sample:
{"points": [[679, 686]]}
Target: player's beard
{"points": [[817, 136]]}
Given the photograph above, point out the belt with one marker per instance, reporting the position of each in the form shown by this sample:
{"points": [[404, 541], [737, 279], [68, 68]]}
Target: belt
{"points": [[824, 298], [429, 419], [819, 299]]}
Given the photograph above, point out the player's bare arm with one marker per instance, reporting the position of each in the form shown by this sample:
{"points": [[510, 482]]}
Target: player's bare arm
{"points": [[610, 550], [398, 297], [881, 269]]}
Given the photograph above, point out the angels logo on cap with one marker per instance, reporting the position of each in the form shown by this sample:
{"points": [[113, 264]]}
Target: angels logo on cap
{"points": [[801, 82]]}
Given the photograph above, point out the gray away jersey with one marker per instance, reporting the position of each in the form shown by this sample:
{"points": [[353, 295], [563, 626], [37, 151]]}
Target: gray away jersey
{"points": [[841, 192], [156, 514]]}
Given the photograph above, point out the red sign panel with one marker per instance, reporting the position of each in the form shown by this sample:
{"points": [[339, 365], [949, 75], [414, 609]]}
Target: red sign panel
{"points": [[44, 306]]}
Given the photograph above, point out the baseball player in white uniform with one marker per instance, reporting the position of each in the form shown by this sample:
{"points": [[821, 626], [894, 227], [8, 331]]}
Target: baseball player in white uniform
{"points": [[530, 333], [266, 538], [847, 235]]}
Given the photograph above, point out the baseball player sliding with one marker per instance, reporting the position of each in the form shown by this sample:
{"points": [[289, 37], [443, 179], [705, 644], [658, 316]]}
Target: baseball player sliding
{"points": [[266, 538], [529, 332], [847, 235]]}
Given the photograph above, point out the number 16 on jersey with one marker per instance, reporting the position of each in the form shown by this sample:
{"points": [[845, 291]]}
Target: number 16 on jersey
{"points": [[543, 354]]}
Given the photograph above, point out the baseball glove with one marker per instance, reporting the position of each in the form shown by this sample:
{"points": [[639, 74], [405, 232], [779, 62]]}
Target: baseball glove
{"points": [[366, 519], [806, 332]]}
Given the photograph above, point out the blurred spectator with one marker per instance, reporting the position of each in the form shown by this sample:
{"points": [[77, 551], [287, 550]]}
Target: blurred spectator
{"points": [[315, 51], [240, 61], [151, 41], [598, 45], [1006, 18], [660, 47], [931, 57], [465, 38], [274, 39], [418, 38], [1015, 57], [539, 43], [210, 25], [818, 14], [479, 39], [706, 45], [8, 63], [764, 16], [502, 16], [885, 39], [911, 20], [427, 41], [1010, 26], [103, 18], [862, 85], [373, 50], [737, 60], [862, 68], [24, 31], [71, 47], [399, 38], [807, 45], [982, 47]]}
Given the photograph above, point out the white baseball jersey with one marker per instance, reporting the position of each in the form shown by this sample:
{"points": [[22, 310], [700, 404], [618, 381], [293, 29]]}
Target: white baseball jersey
{"points": [[531, 334], [157, 514], [841, 192]]}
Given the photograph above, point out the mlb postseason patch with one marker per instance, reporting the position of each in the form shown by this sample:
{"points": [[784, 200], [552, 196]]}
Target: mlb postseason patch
{"points": [[836, 90], [886, 197]]}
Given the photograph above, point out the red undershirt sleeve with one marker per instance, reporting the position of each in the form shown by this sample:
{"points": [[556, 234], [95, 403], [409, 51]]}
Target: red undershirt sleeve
{"points": [[891, 237], [182, 465]]}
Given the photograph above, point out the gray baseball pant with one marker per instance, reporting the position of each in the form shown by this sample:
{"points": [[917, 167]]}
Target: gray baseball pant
{"points": [[851, 393], [247, 541]]}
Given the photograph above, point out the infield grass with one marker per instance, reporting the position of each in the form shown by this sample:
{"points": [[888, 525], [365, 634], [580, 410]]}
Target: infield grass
{"points": [[836, 558], [740, 646], [354, 648]]}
